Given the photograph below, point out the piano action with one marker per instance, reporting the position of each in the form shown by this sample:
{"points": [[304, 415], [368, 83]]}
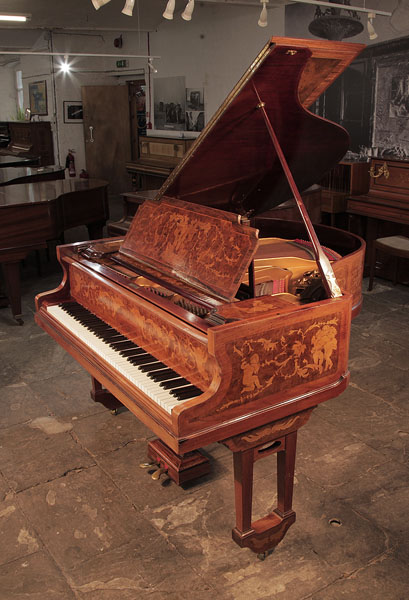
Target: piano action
{"points": [[209, 321]]}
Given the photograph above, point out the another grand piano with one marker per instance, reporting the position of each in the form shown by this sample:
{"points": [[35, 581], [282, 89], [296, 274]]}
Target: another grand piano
{"points": [[204, 331], [32, 214]]}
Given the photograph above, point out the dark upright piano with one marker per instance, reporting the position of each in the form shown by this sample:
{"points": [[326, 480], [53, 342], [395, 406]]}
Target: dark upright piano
{"points": [[30, 140], [204, 331], [32, 214], [383, 210]]}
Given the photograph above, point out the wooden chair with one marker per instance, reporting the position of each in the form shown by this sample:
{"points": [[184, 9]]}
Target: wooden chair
{"points": [[397, 246]]}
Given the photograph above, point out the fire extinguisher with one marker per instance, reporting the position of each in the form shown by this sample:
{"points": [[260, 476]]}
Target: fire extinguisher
{"points": [[70, 163]]}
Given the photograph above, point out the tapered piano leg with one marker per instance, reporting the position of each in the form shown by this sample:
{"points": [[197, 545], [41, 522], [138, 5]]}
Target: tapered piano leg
{"points": [[100, 394], [278, 438], [11, 271], [96, 230]]}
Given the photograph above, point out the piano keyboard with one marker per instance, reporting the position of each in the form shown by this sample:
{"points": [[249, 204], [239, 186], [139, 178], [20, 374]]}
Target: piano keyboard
{"points": [[163, 385]]}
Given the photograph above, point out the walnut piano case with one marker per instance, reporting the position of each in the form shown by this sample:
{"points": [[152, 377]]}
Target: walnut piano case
{"points": [[168, 320]]}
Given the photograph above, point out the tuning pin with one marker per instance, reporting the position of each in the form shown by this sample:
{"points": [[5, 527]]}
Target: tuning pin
{"points": [[158, 473]]}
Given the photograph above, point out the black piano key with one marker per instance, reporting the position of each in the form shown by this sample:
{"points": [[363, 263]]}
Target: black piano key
{"points": [[187, 396], [132, 352], [123, 344], [141, 360], [104, 334], [116, 339], [150, 368], [164, 375], [174, 383], [186, 392], [167, 378]]}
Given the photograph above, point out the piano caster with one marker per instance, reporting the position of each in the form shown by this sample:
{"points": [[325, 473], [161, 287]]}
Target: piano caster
{"points": [[265, 554], [19, 319], [115, 411]]}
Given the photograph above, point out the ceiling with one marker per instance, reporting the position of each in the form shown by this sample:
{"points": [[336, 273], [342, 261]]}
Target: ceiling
{"points": [[81, 14]]}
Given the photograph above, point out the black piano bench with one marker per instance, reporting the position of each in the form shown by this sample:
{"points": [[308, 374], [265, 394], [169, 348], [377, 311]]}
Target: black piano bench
{"points": [[395, 245]]}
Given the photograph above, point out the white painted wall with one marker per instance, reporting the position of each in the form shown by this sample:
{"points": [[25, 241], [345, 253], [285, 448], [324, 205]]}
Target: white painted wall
{"points": [[213, 49], [8, 99]]}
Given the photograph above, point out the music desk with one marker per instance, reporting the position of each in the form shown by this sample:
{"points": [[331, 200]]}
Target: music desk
{"points": [[31, 214]]}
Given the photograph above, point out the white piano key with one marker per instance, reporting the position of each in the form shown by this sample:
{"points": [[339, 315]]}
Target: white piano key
{"points": [[131, 372]]}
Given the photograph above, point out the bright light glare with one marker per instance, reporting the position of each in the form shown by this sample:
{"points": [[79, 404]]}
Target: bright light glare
{"points": [[13, 18], [65, 66]]}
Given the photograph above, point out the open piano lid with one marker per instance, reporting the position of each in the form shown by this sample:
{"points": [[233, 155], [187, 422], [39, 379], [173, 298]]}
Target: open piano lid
{"points": [[233, 166]]}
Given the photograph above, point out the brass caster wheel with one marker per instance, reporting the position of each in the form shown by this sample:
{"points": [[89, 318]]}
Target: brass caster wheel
{"points": [[265, 554], [115, 411]]}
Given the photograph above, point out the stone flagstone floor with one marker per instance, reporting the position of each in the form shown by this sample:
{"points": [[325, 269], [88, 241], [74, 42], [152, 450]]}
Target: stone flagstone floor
{"points": [[80, 520]]}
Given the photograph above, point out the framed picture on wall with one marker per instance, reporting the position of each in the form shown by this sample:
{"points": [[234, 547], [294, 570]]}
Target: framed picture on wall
{"points": [[37, 91], [73, 111]]}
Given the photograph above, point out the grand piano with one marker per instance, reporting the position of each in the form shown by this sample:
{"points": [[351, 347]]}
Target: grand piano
{"points": [[31, 214], [209, 321], [23, 171]]}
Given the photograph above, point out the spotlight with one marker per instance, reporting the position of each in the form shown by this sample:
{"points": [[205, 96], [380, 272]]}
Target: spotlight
{"points": [[151, 65], [187, 13], [262, 22], [98, 3], [128, 8], [65, 66], [169, 10], [371, 30]]}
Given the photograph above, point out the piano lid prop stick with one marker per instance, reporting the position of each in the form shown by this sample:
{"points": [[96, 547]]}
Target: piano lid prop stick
{"points": [[327, 274]]}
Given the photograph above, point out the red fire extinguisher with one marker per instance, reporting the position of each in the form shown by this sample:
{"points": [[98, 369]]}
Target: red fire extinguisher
{"points": [[70, 163]]}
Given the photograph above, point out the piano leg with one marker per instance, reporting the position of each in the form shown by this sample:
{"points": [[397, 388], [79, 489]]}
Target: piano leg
{"points": [[100, 394], [10, 259], [96, 230], [11, 271], [278, 438]]}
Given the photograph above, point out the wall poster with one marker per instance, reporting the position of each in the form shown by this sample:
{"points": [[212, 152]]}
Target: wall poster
{"points": [[37, 91]]}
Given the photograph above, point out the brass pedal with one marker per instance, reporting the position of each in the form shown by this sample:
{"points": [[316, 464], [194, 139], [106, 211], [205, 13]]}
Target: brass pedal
{"points": [[157, 474], [148, 465]]}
